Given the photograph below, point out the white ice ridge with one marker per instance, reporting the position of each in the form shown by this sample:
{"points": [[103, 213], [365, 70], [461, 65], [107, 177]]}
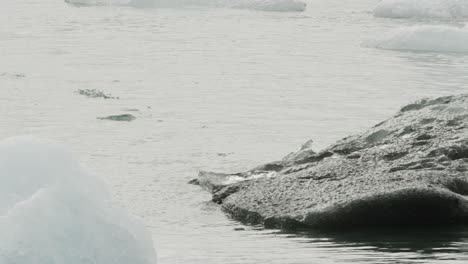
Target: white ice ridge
{"points": [[438, 9], [53, 211], [263, 5], [446, 39]]}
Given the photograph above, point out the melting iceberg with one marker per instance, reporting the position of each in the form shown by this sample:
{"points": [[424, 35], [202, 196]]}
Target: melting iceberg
{"points": [[53, 211], [440, 9], [425, 39], [268, 5], [263, 5], [97, 2]]}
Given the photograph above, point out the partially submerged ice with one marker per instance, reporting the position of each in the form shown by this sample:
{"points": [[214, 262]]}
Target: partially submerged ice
{"points": [[54, 211], [411, 169], [261, 5], [422, 9], [264, 5], [123, 117], [428, 38], [93, 93]]}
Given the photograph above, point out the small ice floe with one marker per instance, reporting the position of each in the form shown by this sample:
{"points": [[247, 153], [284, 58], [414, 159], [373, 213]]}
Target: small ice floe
{"points": [[93, 93], [422, 9], [222, 154], [124, 117], [212, 181], [429, 38], [13, 75], [261, 5], [131, 110], [270, 5], [97, 2]]}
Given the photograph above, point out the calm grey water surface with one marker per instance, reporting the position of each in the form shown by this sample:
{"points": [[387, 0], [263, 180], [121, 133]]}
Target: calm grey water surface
{"points": [[221, 90]]}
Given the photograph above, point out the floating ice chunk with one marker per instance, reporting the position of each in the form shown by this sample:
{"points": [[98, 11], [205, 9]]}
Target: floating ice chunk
{"points": [[442, 9], [98, 2], [270, 5], [425, 39], [211, 181], [53, 211], [264, 5], [123, 117], [93, 93]]}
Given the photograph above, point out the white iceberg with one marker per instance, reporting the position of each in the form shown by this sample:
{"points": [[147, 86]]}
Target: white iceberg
{"points": [[427, 38], [270, 5], [53, 211], [98, 2], [263, 5], [423, 9]]}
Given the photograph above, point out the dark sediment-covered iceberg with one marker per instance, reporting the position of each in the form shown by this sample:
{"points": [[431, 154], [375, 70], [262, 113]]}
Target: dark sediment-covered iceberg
{"points": [[411, 169]]}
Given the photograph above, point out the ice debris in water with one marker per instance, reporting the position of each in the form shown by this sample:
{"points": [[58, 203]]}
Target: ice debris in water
{"points": [[264, 5], [271, 5], [13, 75], [93, 93], [211, 180], [440, 9], [424, 38], [97, 2], [124, 117], [131, 109], [54, 211]]}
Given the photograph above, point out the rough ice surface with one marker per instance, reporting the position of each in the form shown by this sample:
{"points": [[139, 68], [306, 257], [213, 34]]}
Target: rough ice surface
{"points": [[377, 178], [263, 5], [427, 38], [53, 211], [439, 9]]}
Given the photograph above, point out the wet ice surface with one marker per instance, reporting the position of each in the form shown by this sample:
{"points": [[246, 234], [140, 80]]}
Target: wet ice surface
{"points": [[209, 81]]}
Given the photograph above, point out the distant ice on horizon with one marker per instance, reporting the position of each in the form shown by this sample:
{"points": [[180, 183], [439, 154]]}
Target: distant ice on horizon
{"points": [[422, 9], [262, 5]]}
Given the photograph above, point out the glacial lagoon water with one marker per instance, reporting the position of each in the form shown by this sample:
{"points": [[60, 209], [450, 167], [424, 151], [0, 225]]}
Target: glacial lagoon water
{"points": [[218, 88]]}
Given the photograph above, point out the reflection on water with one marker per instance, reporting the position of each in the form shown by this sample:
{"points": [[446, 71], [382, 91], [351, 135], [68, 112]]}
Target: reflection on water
{"points": [[390, 245]]}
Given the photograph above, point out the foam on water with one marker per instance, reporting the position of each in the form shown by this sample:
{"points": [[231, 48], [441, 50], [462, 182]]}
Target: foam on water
{"points": [[425, 39], [439, 9], [53, 211], [263, 5]]}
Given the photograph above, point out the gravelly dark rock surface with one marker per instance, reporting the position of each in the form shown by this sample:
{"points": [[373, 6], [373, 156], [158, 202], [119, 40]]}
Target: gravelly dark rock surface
{"points": [[411, 169]]}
